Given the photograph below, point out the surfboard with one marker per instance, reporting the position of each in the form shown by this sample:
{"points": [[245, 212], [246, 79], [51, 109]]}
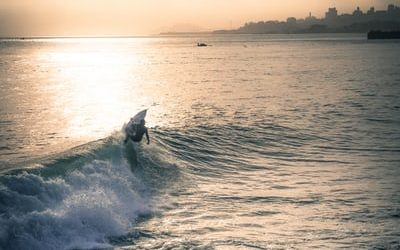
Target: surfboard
{"points": [[131, 126]]}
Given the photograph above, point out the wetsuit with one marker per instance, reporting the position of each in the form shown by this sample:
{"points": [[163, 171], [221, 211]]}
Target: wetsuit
{"points": [[140, 131]]}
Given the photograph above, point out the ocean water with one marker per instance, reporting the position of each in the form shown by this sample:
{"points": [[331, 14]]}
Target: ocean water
{"points": [[257, 142]]}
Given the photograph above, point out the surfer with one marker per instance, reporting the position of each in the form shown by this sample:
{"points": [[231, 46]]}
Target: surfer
{"points": [[141, 129]]}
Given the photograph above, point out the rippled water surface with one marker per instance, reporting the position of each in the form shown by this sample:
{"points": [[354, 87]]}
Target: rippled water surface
{"points": [[257, 142]]}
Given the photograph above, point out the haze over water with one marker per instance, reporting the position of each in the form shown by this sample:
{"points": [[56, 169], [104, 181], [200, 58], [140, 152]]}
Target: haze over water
{"points": [[257, 142]]}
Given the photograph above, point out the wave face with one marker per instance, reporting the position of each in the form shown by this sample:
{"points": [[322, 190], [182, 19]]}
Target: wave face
{"points": [[192, 184], [78, 199]]}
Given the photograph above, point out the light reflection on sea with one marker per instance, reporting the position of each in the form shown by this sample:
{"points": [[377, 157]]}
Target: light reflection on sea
{"points": [[257, 141]]}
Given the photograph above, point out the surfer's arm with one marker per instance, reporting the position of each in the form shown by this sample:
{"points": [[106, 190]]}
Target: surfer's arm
{"points": [[147, 136]]}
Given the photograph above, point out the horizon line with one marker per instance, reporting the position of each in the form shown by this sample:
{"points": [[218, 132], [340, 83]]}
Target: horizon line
{"points": [[162, 34]]}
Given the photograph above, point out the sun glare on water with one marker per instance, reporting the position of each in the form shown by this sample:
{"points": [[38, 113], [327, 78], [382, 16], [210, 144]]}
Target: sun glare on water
{"points": [[92, 82]]}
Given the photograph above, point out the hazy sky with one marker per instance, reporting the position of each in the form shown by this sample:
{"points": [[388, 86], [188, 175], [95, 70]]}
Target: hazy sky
{"points": [[142, 17]]}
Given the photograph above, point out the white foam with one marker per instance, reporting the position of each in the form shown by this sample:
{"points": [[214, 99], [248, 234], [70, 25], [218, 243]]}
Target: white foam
{"points": [[79, 210]]}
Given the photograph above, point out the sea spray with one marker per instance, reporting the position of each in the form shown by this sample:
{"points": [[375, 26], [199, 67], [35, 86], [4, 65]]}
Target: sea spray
{"points": [[79, 209]]}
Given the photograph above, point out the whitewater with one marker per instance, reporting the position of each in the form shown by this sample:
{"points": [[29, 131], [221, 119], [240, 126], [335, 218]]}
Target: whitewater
{"points": [[256, 142]]}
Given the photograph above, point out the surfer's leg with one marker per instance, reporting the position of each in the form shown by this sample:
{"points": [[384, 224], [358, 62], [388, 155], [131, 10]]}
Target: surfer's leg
{"points": [[126, 139]]}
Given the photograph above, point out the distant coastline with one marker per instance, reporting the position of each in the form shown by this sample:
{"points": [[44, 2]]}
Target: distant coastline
{"points": [[357, 22], [186, 33]]}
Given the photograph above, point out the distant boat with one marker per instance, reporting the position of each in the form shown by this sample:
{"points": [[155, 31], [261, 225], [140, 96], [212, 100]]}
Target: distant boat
{"points": [[377, 34], [201, 45]]}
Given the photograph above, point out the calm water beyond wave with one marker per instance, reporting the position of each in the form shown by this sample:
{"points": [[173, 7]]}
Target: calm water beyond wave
{"points": [[257, 142]]}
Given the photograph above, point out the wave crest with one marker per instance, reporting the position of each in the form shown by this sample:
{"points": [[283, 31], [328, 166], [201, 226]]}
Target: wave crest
{"points": [[79, 209]]}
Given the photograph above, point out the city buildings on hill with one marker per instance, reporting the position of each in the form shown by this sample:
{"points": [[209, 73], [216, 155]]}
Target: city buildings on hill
{"points": [[358, 21]]}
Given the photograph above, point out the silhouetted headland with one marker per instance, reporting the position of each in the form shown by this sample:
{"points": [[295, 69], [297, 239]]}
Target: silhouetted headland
{"points": [[357, 22], [377, 34], [171, 33]]}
